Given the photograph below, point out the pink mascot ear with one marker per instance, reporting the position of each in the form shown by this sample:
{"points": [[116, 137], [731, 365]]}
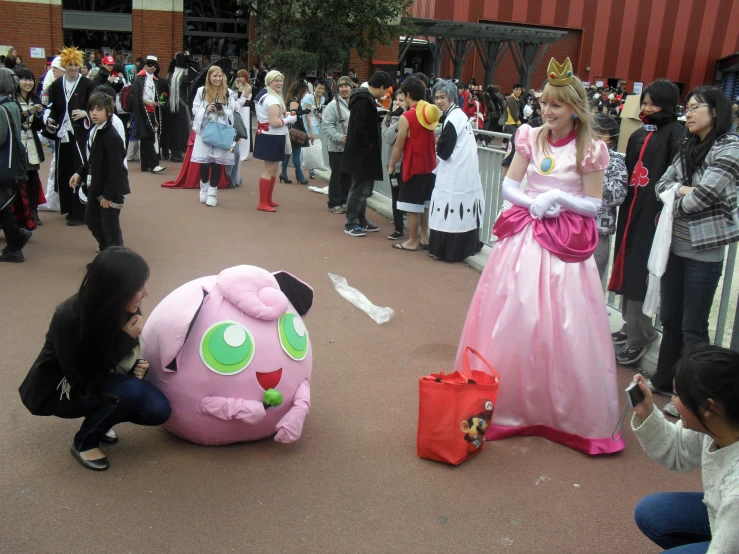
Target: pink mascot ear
{"points": [[298, 293], [254, 291]]}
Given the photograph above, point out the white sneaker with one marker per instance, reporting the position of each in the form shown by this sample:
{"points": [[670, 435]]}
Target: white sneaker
{"points": [[158, 169], [204, 191], [671, 410], [212, 199]]}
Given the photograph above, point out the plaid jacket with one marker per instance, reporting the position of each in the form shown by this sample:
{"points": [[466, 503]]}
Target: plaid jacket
{"points": [[711, 209]]}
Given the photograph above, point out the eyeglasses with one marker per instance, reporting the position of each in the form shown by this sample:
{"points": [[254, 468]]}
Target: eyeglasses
{"points": [[691, 109]]}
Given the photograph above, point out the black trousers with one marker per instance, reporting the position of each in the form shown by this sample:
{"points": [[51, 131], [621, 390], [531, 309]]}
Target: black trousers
{"points": [[340, 182], [148, 153], [7, 223], [397, 214], [210, 173], [104, 224], [68, 161], [687, 289]]}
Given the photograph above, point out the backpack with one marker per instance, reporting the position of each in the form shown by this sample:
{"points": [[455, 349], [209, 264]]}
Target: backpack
{"points": [[13, 156], [125, 98]]}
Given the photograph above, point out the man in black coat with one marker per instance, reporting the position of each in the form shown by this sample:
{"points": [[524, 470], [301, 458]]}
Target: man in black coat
{"points": [[362, 158], [146, 91], [177, 123]]}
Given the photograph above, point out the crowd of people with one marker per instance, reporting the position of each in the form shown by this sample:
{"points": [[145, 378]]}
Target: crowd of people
{"points": [[567, 190]]}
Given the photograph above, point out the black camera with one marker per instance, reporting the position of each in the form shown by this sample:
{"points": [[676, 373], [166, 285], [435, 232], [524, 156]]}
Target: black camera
{"points": [[634, 395], [219, 106]]}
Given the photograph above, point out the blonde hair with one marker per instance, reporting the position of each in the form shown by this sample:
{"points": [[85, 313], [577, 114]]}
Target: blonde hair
{"points": [[71, 55], [212, 93], [573, 95], [271, 76]]}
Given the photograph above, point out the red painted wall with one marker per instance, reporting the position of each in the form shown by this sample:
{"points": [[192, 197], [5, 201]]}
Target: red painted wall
{"points": [[635, 40]]}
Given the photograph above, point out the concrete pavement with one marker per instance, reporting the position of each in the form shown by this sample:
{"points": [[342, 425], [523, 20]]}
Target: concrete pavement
{"points": [[353, 482]]}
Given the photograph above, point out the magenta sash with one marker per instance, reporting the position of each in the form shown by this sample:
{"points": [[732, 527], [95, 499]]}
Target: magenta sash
{"points": [[570, 237]]}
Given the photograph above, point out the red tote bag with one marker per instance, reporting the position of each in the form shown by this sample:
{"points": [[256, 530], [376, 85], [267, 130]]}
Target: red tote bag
{"points": [[455, 412]]}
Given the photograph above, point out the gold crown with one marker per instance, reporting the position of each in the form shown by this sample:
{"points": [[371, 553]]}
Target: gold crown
{"points": [[560, 75]]}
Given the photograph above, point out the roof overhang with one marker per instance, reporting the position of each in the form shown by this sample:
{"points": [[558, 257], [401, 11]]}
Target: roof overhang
{"points": [[486, 31]]}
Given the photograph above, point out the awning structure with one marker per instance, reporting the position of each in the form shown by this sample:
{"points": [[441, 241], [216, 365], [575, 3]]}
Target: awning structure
{"points": [[492, 40]]}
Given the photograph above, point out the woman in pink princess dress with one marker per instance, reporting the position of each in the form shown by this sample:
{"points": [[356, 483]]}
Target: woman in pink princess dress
{"points": [[538, 314]]}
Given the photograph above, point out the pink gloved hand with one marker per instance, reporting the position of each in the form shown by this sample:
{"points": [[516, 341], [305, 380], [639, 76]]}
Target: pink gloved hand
{"points": [[290, 427], [248, 411]]}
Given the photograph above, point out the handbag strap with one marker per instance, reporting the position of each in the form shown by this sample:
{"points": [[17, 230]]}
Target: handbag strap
{"points": [[466, 364]]}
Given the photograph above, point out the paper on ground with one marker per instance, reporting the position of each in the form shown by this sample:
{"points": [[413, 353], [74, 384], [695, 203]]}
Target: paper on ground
{"points": [[378, 314]]}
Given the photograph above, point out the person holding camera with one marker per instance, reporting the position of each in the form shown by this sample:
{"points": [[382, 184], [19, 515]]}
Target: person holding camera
{"points": [[213, 103], [32, 192], [90, 364], [706, 397]]}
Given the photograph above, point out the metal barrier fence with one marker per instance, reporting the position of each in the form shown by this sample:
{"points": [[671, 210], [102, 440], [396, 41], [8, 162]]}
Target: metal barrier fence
{"points": [[723, 321]]}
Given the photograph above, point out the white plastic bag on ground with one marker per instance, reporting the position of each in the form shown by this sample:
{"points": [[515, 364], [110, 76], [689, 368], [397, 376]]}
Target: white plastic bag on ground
{"points": [[378, 314], [657, 263], [319, 190]]}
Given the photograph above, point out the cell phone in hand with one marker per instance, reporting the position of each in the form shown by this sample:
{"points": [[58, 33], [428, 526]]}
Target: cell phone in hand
{"points": [[634, 395]]}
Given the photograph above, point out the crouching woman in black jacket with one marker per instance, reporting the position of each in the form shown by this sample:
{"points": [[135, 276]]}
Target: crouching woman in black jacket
{"points": [[90, 364]]}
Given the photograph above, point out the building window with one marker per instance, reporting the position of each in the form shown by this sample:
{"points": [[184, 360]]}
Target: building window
{"points": [[105, 6], [215, 30]]}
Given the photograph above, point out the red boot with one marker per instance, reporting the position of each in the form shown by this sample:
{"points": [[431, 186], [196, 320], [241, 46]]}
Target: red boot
{"points": [[264, 191], [271, 190]]}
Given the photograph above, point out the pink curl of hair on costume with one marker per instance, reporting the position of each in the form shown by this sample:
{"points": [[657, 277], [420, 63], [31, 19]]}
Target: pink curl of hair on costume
{"points": [[254, 291]]}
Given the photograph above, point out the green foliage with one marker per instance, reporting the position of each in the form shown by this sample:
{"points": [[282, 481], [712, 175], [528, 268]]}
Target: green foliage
{"points": [[300, 35]]}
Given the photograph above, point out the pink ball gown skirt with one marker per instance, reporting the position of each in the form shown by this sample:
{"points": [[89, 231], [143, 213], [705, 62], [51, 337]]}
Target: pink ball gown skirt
{"points": [[542, 323]]}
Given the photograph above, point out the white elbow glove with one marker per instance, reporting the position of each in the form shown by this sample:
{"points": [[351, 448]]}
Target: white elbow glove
{"points": [[290, 119], [555, 200], [513, 193]]}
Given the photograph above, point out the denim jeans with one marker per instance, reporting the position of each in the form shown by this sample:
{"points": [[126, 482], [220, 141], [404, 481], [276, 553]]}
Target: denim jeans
{"points": [[686, 295], [125, 398], [356, 203], [296, 162], [675, 521]]}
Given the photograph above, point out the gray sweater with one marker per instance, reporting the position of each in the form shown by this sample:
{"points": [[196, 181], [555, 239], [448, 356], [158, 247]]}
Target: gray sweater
{"points": [[332, 126], [685, 450]]}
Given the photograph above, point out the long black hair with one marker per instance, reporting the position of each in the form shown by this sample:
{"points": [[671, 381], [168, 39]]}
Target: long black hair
{"points": [[693, 150], [111, 282], [709, 372]]}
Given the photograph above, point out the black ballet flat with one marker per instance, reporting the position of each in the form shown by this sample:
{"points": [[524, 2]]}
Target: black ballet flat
{"points": [[285, 180], [94, 465]]}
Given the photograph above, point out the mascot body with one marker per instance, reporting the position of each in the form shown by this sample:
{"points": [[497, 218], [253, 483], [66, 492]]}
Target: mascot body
{"points": [[233, 357]]}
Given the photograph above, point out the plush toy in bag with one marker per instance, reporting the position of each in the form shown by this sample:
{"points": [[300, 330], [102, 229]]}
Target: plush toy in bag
{"points": [[233, 357], [455, 411]]}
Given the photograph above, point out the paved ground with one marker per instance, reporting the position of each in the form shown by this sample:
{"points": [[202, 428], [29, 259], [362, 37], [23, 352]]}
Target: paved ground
{"points": [[353, 482]]}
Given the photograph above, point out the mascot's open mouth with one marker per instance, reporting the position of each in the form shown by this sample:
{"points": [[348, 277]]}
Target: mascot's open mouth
{"points": [[269, 380]]}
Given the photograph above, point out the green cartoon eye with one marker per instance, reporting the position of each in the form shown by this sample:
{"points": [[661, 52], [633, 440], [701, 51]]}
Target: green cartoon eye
{"points": [[293, 336], [227, 348]]}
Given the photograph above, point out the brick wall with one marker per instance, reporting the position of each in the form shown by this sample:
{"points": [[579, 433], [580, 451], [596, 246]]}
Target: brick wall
{"points": [[32, 25], [158, 33], [383, 53]]}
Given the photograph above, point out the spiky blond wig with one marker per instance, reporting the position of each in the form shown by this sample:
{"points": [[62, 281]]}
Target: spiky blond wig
{"points": [[70, 55]]}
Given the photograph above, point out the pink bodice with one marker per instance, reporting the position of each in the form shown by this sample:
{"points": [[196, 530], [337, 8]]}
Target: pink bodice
{"points": [[557, 168]]}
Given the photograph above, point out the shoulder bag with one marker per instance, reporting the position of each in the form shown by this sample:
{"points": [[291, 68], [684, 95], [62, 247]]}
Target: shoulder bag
{"points": [[219, 134]]}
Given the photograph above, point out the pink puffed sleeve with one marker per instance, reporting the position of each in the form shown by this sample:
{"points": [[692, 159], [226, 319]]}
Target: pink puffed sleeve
{"points": [[524, 136], [597, 158]]}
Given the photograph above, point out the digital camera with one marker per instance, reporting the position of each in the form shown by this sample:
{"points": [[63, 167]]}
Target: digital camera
{"points": [[634, 395]]}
